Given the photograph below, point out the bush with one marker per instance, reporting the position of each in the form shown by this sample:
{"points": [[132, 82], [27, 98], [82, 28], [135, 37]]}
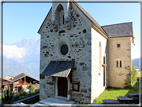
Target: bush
{"points": [[16, 97], [21, 91], [131, 78], [32, 88], [134, 75], [8, 96]]}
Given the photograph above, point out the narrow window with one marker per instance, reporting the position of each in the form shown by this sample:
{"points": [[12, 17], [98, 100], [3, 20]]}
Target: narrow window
{"points": [[63, 19], [100, 55], [118, 45], [116, 63], [120, 63]]}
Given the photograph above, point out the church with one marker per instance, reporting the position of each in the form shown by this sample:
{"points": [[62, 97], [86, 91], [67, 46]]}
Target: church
{"points": [[78, 57]]}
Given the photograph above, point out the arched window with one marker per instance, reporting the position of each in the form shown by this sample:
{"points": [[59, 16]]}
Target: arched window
{"points": [[120, 63], [59, 15], [100, 55], [116, 63], [63, 19]]}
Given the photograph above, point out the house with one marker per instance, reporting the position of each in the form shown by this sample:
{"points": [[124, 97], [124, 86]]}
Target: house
{"points": [[78, 57], [23, 81], [5, 85]]}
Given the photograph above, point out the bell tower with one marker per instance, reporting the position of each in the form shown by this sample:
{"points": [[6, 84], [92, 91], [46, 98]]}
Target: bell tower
{"points": [[60, 6]]}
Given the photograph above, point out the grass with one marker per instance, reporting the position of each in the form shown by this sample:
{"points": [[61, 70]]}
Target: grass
{"points": [[113, 93]]}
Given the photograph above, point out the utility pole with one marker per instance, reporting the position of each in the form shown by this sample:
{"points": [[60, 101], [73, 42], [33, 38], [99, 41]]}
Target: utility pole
{"points": [[25, 70]]}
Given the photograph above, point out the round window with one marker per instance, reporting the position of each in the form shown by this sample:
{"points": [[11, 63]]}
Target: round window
{"points": [[64, 49]]}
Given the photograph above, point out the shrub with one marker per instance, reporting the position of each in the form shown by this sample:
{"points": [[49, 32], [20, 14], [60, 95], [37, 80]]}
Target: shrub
{"points": [[16, 97], [134, 75], [8, 96], [21, 91], [32, 88], [131, 78]]}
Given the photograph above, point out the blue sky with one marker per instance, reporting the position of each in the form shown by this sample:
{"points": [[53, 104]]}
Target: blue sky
{"points": [[22, 20]]}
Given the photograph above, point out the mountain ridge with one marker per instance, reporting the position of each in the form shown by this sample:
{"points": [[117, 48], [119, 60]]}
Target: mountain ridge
{"points": [[30, 63]]}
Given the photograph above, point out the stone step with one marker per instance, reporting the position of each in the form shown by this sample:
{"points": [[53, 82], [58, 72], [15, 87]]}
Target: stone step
{"points": [[109, 101], [133, 94], [125, 98]]}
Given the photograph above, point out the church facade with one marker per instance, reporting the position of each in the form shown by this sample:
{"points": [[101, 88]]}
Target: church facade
{"points": [[78, 57]]}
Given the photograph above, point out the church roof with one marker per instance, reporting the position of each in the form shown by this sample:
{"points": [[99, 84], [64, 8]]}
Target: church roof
{"points": [[88, 16], [118, 30], [115, 30]]}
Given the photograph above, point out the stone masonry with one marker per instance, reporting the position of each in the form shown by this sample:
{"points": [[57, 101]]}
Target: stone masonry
{"points": [[78, 39]]}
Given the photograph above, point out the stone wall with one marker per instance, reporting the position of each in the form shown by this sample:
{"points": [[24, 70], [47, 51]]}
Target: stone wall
{"points": [[96, 74], [118, 74], [78, 39]]}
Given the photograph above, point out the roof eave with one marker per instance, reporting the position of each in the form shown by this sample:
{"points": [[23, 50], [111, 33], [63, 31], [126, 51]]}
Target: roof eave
{"points": [[121, 37], [99, 31], [44, 21]]}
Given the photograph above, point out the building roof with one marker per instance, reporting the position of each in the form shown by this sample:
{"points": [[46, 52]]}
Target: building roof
{"points": [[5, 81], [58, 68], [17, 77], [88, 16], [115, 30], [93, 21], [119, 30]]}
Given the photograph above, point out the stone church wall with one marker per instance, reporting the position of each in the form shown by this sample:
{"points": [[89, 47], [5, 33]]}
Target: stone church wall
{"points": [[78, 39]]}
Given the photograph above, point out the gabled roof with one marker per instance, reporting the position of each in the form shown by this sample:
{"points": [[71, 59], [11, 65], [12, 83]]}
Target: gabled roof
{"points": [[17, 77], [5, 81], [93, 21], [119, 30], [111, 31], [87, 15]]}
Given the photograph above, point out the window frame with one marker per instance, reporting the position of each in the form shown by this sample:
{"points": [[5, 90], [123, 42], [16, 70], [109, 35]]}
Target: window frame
{"points": [[118, 45]]}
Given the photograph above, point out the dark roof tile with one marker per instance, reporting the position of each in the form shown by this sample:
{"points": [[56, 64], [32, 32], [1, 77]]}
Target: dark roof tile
{"points": [[119, 30], [18, 77], [58, 68]]}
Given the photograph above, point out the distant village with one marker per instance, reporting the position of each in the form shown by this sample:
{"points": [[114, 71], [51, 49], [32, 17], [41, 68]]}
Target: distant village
{"points": [[18, 82]]}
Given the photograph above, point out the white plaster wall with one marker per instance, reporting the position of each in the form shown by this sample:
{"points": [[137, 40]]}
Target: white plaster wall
{"points": [[97, 76]]}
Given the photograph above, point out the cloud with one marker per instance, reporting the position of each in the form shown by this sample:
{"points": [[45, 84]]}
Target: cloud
{"points": [[135, 55], [12, 51]]}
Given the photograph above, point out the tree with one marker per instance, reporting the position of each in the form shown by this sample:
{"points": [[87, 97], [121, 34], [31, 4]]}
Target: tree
{"points": [[32, 88], [131, 78]]}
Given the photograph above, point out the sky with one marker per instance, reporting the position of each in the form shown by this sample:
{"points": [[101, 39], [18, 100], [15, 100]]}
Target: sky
{"points": [[23, 20]]}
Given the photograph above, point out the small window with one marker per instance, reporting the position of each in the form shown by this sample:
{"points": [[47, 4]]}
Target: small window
{"points": [[64, 49], [120, 63], [118, 45], [63, 19], [116, 63]]}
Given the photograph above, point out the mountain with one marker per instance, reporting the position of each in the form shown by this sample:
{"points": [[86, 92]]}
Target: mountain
{"points": [[136, 62], [28, 64], [12, 68]]}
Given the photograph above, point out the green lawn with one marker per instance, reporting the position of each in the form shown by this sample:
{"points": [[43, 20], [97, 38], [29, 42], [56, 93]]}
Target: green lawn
{"points": [[113, 93]]}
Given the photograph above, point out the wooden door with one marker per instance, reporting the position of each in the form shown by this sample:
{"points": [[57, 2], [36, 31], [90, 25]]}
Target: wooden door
{"points": [[62, 86]]}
